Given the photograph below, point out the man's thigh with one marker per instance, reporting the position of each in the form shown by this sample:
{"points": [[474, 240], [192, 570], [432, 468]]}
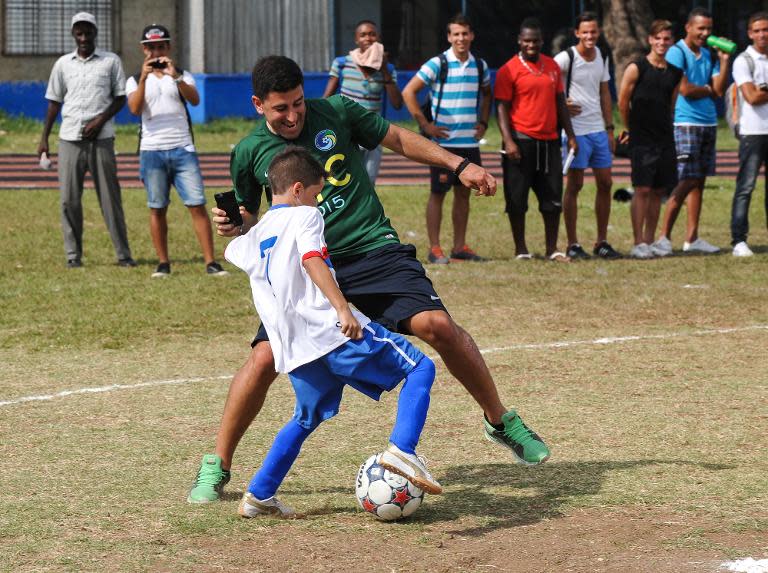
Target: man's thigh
{"points": [[187, 177], [155, 174]]}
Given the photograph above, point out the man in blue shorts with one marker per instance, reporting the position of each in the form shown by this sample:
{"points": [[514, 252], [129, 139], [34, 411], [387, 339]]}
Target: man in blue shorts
{"points": [[704, 79], [316, 337], [378, 274], [586, 75]]}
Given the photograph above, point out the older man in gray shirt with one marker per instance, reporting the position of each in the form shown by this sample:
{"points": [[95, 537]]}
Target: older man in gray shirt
{"points": [[88, 86]]}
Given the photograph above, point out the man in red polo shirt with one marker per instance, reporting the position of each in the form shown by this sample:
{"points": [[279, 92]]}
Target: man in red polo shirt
{"points": [[530, 100]]}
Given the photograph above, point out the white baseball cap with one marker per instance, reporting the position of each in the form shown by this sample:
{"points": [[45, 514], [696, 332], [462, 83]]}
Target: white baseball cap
{"points": [[84, 17]]}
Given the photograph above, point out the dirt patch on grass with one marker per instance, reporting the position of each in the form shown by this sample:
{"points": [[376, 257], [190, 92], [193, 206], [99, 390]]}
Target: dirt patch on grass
{"points": [[636, 539]]}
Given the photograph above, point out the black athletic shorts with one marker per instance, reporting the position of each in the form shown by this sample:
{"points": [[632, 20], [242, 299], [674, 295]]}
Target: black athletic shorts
{"points": [[654, 166], [539, 168], [441, 179], [387, 284]]}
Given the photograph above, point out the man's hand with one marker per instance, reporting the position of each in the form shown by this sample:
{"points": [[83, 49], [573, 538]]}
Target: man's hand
{"points": [[511, 149], [42, 147], [611, 141], [572, 145], [434, 131], [475, 177], [170, 67], [574, 109], [146, 68], [480, 130], [223, 226], [93, 127], [349, 325]]}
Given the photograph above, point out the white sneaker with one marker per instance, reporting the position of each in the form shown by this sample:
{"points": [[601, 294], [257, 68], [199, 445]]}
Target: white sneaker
{"points": [[662, 247], [410, 466], [700, 246], [252, 507], [742, 250], [641, 251]]}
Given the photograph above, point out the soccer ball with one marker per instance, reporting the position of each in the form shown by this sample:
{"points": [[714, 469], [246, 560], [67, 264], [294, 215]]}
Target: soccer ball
{"points": [[384, 494]]}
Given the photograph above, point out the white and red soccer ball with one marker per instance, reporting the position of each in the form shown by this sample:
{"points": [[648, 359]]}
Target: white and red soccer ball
{"points": [[384, 494]]}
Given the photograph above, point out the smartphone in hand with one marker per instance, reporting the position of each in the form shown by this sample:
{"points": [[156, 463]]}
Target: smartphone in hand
{"points": [[228, 202]]}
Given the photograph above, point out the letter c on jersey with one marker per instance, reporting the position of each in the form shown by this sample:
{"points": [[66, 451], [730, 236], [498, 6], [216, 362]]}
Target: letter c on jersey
{"points": [[329, 169]]}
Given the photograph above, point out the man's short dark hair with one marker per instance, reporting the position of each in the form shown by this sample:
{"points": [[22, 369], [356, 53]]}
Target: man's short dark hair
{"points": [[293, 164], [530, 24], [756, 17], [586, 17], [369, 22], [659, 26], [460, 20], [275, 74], [699, 11]]}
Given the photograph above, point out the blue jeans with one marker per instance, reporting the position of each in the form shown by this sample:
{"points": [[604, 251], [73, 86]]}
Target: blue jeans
{"points": [[753, 152], [177, 166]]}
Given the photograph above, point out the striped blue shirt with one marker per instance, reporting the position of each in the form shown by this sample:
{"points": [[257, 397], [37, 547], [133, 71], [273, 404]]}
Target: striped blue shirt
{"points": [[458, 108], [368, 92]]}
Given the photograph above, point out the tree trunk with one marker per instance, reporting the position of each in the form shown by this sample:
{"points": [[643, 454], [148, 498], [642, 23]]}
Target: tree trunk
{"points": [[625, 25]]}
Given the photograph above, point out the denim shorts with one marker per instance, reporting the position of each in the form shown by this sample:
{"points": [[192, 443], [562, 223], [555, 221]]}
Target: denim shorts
{"points": [[177, 166], [594, 151], [374, 364]]}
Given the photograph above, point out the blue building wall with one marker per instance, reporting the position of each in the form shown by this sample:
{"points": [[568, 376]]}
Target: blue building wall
{"points": [[221, 95]]}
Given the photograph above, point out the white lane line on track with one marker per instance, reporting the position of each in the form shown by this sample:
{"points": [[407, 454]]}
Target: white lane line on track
{"points": [[538, 346]]}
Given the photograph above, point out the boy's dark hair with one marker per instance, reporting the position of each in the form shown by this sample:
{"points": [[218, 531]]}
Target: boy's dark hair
{"points": [[699, 11], [658, 26], [275, 74], [586, 17], [530, 24], [460, 20], [756, 17], [369, 22], [293, 164]]}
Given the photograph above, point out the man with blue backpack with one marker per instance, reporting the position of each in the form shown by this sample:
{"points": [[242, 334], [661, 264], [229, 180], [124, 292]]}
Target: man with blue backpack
{"points": [[456, 118], [704, 79]]}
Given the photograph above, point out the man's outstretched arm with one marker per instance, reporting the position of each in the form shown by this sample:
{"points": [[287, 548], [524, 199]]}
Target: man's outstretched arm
{"points": [[422, 150]]}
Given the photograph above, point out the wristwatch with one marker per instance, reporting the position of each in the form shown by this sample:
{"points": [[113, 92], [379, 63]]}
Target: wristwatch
{"points": [[178, 79]]}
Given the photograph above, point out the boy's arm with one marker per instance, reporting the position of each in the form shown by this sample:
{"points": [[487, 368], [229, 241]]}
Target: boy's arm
{"points": [[321, 276]]}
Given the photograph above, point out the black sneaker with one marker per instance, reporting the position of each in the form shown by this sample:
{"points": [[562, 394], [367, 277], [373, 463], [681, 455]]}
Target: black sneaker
{"points": [[163, 270], [127, 262], [215, 269], [576, 252], [74, 263], [606, 251]]}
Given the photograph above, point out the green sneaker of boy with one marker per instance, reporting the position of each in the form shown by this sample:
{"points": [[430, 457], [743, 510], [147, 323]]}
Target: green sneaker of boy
{"points": [[527, 447], [210, 480]]}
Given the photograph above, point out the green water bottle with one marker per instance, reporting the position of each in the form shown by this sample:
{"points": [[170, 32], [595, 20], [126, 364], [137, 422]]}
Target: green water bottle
{"points": [[722, 44]]}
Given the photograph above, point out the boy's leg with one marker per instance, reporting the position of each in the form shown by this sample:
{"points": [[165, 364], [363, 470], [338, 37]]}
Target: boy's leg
{"points": [[412, 406]]}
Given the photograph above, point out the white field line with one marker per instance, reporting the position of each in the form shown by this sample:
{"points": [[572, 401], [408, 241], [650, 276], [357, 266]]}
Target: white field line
{"points": [[538, 346]]}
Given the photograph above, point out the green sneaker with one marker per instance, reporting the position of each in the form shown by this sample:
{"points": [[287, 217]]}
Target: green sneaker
{"points": [[527, 447], [210, 480]]}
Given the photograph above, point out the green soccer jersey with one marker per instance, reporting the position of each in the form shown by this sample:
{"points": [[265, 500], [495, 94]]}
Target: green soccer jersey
{"points": [[334, 128]]}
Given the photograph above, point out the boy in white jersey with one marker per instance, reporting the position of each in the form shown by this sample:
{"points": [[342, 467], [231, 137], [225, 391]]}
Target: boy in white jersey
{"points": [[317, 338]]}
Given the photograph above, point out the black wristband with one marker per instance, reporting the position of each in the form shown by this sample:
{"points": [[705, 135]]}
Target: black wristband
{"points": [[461, 167], [609, 127], [483, 123]]}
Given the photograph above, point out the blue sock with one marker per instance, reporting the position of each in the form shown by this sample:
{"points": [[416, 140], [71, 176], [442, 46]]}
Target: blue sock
{"points": [[412, 406], [278, 461]]}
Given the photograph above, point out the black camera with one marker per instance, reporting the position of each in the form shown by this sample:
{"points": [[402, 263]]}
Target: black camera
{"points": [[159, 65]]}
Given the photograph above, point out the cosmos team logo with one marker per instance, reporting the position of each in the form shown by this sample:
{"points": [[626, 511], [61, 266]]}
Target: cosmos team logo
{"points": [[325, 140]]}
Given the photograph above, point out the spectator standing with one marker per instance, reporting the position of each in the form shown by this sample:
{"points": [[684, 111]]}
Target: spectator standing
{"points": [[167, 153], [530, 102], [365, 76], [586, 76], [459, 83], [647, 101], [88, 87], [704, 79], [750, 72]]}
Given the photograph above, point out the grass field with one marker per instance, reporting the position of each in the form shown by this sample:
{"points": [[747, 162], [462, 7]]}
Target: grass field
{"points": [[647, 378]]}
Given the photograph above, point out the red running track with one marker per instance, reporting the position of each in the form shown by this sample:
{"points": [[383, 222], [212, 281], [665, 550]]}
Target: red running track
{"points": [[23, 171]]}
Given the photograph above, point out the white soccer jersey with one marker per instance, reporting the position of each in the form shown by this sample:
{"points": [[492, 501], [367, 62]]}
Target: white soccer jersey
{"points": [[300, 321]]}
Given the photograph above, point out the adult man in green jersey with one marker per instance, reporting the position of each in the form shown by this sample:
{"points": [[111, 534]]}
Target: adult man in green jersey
{"points": [[378, 274]]}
